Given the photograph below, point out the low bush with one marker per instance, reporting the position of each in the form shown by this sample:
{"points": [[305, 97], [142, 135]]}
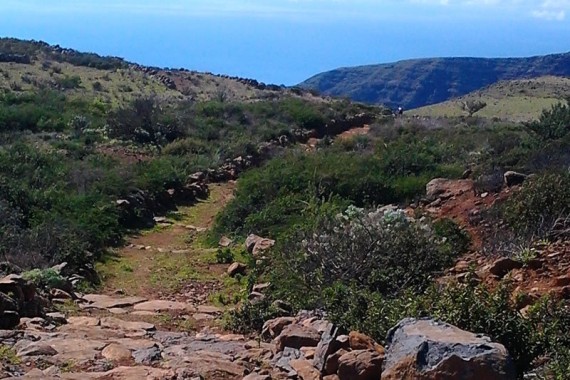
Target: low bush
{"points": [[541, 201], [224, 256], [553, 123], [383, 250], [45, 278]]}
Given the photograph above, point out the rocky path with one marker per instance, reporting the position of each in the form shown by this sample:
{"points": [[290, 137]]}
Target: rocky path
{"points": [[153, 318]]}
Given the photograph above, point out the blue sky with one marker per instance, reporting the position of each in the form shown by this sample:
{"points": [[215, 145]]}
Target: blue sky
{"points": [[287, 41]]}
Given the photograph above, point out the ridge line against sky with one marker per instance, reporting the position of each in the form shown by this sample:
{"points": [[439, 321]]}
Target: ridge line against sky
{"points": [[286, 41]]}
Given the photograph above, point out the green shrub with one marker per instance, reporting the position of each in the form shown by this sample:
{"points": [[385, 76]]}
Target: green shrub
{"points": [[250, 317], [45, 278], [553, 123], [69, 82], [224, 256], [540, 202], [383, 251]]}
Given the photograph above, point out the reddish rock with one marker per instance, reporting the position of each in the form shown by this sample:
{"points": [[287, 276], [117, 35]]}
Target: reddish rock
{"points": [[116, 352], [359, 341], [296, 336], [273, 327], [37, 349], [446, 188], [163, 305], [256, 376], [360, 365], [503, 266], [331, 365], [305, 370], [101, 301], [308, 352], [562, 281]]}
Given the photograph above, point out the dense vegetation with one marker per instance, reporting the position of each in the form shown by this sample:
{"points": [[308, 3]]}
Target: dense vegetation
{"points": [[59, 177], [370, 267]]}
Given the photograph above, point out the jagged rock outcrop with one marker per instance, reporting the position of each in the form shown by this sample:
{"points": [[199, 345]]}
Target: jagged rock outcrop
{"points": [[424, 349], [18, 299]]}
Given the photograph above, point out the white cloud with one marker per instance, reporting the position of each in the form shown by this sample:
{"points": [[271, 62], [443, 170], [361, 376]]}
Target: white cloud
{"points": [[551, 10], [549, 15]]}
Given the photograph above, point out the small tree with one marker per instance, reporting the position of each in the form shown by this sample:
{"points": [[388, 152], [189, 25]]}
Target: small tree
{"points": [[473, 106]]}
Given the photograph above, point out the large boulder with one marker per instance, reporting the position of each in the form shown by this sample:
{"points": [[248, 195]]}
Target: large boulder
{"points": [[360, 365], [446, 188], [424, 349]]}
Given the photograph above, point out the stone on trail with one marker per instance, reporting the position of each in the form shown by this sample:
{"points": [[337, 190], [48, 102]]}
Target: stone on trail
{"points": [[116, 352], [119, 324], [83, 321], [163, 305], [37, 349], [100, 301]]}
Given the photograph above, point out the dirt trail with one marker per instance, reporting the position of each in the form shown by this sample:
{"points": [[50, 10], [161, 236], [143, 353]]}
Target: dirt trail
{"points": [[169, 262]]}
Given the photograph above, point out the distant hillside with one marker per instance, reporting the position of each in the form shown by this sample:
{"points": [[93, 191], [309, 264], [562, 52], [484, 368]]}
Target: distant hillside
{"points": [[420, 82], [515, 100], [32, 65]]}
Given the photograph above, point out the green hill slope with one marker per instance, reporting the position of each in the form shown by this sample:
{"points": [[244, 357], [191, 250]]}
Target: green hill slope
{"points": [[516, 100], [31, 66], [420, 82]]}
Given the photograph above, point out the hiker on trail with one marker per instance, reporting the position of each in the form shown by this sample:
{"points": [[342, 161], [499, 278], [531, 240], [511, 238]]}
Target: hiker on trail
{"points": [[400, 111]]}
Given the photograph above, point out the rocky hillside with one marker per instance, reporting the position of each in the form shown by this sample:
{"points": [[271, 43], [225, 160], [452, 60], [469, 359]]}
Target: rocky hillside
{"points": [[420, 82]]}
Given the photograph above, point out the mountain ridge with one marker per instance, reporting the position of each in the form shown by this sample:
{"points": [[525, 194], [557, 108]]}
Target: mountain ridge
{"points": [[414, 83]]}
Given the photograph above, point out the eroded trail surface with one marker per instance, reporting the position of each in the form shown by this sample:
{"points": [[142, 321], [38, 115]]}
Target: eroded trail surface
{"points": [[154, 318], [169, 262]]}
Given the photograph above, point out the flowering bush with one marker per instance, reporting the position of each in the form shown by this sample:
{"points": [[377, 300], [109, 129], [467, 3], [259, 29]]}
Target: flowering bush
{"points": [[382, 250]]}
